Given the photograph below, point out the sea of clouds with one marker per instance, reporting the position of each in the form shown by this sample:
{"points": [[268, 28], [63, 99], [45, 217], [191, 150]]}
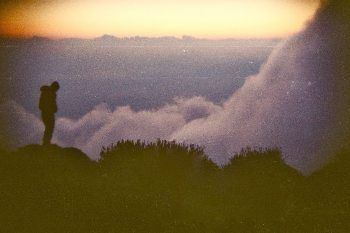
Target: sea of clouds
{"points": [[292, 104]]}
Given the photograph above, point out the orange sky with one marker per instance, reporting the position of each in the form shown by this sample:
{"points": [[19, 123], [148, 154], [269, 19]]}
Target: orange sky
{"points": [[199, 18]]}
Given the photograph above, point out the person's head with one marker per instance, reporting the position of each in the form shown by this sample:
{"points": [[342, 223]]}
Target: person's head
{"points": [[55, 86]]}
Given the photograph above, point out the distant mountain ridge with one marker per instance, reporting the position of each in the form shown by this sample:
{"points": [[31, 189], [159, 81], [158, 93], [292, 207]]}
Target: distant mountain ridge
{"points": [[140, 40]]}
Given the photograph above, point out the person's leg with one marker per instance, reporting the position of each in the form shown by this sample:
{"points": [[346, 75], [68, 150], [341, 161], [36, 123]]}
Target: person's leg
{"points": [[49, 122]]}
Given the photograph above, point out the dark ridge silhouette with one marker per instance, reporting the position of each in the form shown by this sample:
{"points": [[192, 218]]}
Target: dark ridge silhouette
{"points": [[170, 153], [269, 162], [70, 153], [167, 187]]}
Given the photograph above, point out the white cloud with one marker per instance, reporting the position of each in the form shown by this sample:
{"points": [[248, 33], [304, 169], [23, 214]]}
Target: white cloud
{"points": [[20, 127], [102, 126]]}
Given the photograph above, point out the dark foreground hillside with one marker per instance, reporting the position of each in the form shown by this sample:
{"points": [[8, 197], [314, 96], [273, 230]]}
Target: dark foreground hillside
{"points": [[166, 187]]}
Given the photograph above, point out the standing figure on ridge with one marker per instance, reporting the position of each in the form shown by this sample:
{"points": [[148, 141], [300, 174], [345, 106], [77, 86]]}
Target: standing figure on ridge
{"points": [[48, 107]]}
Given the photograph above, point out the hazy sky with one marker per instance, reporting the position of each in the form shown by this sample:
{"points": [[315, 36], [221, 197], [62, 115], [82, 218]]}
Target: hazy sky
{"points": [[200, 18]]}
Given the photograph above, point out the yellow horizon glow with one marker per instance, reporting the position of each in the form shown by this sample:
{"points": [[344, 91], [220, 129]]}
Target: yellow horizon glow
{"points": [[212, 19]]}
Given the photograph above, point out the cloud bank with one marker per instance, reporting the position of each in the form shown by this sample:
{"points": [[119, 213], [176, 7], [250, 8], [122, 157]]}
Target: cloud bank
{"points": [[297, 102]]}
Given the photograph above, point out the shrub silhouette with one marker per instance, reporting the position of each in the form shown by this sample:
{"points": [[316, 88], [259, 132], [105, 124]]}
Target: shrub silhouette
{"points": [[167, 187]]}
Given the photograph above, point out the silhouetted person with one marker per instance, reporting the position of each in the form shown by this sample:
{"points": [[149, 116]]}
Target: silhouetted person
{"points": [[48, 107]]}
